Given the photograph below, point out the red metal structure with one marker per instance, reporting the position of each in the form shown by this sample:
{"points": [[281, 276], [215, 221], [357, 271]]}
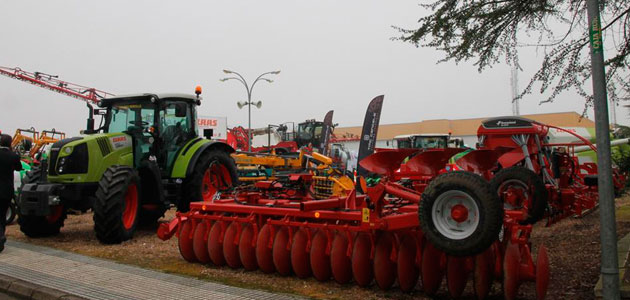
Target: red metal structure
{"points": [[417, 218], [51, 82]]}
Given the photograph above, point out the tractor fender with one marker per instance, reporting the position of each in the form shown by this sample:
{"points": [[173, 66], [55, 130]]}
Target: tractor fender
{"points": [[187, 158]]}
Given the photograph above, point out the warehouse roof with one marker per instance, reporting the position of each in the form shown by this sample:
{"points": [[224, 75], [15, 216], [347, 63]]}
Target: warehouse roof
{"points": [[461, 127]]}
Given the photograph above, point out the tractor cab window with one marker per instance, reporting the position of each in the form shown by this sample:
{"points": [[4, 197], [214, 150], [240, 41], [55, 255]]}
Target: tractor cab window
{"points": [[176, 127], [310, 132], [134, 120], [403, 144], [429, 142]]}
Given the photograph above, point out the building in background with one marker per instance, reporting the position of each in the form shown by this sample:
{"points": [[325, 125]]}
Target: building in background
{"points": [[466, 129]]}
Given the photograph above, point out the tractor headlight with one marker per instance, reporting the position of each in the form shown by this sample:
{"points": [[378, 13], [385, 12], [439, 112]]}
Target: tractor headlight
{"points": [[67, 150], [61, 165]]}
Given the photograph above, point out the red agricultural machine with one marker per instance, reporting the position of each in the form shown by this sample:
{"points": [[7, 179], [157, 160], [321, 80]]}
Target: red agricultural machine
{"points": [[420, 222]]}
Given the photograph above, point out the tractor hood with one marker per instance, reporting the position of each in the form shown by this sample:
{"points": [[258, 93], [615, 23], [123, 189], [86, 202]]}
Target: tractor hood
{"points": [[80, 159]]}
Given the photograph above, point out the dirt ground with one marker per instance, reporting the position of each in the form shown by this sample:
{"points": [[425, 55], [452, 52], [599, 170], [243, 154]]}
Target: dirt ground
{"points": [[573, 247]]}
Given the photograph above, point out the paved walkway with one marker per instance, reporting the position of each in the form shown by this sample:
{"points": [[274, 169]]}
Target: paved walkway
{"points": [[93, 278]]}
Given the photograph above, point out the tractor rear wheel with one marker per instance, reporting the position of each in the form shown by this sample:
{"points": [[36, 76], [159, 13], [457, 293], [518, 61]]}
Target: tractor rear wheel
{"points": [[116, 208], [459, 214], [521, 188], [41, 226], [215, 171]]}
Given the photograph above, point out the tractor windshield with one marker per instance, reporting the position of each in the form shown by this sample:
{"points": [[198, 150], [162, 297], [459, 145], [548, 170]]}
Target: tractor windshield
{"points": [[130, 117], [429, 142], [403, 143]]}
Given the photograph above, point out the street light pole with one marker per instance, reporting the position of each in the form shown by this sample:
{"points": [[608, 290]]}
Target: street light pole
{"points": [[249, 102]]}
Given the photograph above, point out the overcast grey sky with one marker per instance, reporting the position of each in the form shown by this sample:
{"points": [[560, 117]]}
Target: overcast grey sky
{"points": [[333, 55]]}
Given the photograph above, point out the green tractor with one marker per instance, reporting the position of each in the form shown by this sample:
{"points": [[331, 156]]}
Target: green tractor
{"points": [[145, 157]]}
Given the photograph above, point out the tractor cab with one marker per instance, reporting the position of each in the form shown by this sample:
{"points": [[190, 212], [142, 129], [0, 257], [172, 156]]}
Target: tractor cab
{"points": [[309, 132], [159, 125], [421, 141]]}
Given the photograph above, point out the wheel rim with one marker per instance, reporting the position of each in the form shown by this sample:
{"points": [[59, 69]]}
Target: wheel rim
{"points": [[9, 213], [216, 178], [131, 206], [515, 194], [455, 215], [56, 212]]}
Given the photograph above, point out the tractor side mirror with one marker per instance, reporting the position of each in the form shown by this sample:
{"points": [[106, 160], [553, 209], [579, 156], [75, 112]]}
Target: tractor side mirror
{"points": [[181, 110]]}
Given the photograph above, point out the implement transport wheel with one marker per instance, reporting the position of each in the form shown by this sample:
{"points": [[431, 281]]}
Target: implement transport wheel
{"points": [[320, 261], [361, 262], [456, 275], [511, 265], [340, 263], [117, 205], [230, 248], [384, 267], [282, 255], [214, 171], [200, 245], [542, 273], [521, 188], [433, 263], [246, 248], [459, 214], [185, 242], [408, 271], [483, 274], [215, 245], [300, 260], [41, 226], [264, 255]]}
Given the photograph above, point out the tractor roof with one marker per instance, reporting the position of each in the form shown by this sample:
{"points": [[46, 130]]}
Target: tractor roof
{"points": [[147, 97], [406, 136]]}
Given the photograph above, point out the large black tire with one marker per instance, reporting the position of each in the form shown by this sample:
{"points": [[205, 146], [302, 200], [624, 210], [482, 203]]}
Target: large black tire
{"points": [[524, 178], [40, 226], [11, 212], [194, 189], [475, 193], [117, 205]]}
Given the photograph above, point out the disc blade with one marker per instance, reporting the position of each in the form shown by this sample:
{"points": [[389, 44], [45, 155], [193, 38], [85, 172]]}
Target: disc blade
{"points": [[432, 269], [511, 279], [361, 262], [263, 252], [185, 242], [247, 251], [299, 257], [384, 267], [320, 262], [215, 245], [200, 246], [282, 256], [542, 273], [482, 274], [340, 263], [456, 275], [408, 272]]}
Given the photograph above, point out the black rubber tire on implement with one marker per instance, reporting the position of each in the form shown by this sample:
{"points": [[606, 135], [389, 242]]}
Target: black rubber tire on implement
{"points": [[192, 186], [109, 205], [38, 226], [490, 213], [530, 179]]}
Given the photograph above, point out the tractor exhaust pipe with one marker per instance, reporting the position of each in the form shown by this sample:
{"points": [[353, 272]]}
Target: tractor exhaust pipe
{"points": [[90, 120]]}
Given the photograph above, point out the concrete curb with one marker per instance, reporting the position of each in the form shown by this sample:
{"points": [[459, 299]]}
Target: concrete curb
{"points": [[26, 290]]}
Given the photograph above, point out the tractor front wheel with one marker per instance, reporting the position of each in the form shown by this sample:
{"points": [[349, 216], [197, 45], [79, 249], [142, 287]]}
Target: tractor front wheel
{"points": [[117, 205], [41, 226], [11, 212], [214, 172], [459, 214]]}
